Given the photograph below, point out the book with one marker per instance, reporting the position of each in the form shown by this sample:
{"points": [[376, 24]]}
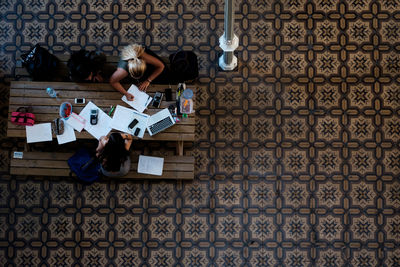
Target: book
{"points": [[150, 165]]}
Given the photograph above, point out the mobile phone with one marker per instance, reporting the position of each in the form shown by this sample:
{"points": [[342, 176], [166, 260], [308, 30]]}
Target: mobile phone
{"points": [[93, 116], [168, 94], [157, 99], [137, 131], [79, 101], [133, 123]]}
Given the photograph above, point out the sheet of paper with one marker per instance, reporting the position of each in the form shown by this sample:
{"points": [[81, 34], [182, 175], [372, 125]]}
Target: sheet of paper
{"points": [[67, 136], [123, 116], [102, 128], [150, 165], [76, 121], [140, 101], [39, 133]]}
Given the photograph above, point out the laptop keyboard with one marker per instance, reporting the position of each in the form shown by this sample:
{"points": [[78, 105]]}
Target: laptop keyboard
{"points": [[161, 125]]}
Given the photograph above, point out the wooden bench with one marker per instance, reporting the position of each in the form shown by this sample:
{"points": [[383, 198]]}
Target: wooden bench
{"points": [[61, 73], [33, 94], [55, 164]]}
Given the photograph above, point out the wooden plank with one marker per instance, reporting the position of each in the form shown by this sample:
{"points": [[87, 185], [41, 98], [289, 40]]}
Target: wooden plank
{"points": [[177, 175], [85, 135], [46, 155], [66, 155], [39, 171], [62, 86], [179, 148], [63, 164]]}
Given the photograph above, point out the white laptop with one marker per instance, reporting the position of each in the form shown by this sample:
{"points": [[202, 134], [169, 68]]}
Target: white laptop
{"points": [[159, 122]]}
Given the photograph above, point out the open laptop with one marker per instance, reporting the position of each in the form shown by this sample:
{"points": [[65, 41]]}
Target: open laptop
{"points": [[159, 122]]}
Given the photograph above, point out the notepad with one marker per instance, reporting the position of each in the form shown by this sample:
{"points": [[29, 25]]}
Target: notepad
{"points": [[67, 136], [140, 101], [76, 121], [39, 133], [150, 165], [123, 116], [102, 128]]}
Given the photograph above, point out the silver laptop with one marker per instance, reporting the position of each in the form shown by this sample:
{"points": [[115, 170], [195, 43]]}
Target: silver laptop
{"points": [[159, 122]]}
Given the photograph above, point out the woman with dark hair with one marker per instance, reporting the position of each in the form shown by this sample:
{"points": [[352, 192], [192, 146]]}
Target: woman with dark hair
{"points": [[85, 66], [113, 154]]}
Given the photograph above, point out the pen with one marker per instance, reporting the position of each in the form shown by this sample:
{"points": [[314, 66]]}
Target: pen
{"points": [[111, 111]]}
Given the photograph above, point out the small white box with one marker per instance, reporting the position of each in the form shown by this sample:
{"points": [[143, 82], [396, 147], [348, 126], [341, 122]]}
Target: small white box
{"points": [[18, 155]]}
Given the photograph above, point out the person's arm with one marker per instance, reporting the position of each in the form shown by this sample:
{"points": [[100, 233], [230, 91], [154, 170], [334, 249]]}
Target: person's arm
{"points": [[159, 67], [128, 140], [115, 79], [100, 146]]}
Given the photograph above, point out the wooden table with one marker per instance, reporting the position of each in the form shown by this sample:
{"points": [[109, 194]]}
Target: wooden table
{"points": [[45, 108]]}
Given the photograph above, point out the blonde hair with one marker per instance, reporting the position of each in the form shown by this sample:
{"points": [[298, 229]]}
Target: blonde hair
{"points": [[136, 66]]}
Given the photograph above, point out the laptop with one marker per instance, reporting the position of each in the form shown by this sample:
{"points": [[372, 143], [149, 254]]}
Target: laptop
{"points": [[159, 122]]}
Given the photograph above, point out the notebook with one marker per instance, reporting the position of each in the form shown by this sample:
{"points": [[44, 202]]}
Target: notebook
{"points": [[140, 101]]}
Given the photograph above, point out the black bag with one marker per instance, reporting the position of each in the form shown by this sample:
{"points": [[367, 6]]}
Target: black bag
{"points": [[184, 66], [40, 64]]}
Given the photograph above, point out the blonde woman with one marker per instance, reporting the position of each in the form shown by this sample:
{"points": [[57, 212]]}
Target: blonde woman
{"points": [[140, 64]]}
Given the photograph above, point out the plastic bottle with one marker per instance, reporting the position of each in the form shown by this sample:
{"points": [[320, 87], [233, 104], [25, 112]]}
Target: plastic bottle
{"points": [[51, 92], [186, 102]]}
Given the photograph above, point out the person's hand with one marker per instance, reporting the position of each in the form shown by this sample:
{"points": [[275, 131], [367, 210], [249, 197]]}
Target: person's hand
{"points": [[127, 136], [129, 96], [143, 85]]}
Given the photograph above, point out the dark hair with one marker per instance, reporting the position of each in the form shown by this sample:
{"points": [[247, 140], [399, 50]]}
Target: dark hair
{"points": [[113, 153], [83, 62]]}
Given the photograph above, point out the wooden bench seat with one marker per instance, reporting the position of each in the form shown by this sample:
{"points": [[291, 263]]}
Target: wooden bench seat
{"points": [[55, 164], [61, 73]]}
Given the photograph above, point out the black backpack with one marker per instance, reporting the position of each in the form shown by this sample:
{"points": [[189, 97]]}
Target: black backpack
{"points": [[40, 64], [184, 66]]}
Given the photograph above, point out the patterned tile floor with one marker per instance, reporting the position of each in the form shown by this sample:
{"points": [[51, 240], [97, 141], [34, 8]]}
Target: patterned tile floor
{"points": [[297, 159]]}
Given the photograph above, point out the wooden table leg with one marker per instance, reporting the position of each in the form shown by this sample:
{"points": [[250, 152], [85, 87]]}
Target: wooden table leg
{"points": [[27, 147], [179, 148]]}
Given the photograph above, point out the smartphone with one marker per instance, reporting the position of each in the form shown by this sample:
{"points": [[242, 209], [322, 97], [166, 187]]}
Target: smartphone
{"points": [[93, 116], [137, 131], [79, 101], [168, 94], [157, 99], [132, 124]]}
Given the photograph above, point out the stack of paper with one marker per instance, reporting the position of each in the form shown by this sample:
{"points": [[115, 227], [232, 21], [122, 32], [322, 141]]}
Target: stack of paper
{"points": [[124, 116], [102, 128], [150, 165], [39, 133], [140, 101], [67, 136], [76, 121]]}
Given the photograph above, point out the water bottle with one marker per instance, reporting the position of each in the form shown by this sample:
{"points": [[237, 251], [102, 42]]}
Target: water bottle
{"points": [[51, 92]]}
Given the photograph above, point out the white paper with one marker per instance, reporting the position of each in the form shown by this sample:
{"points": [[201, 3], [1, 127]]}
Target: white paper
{"points": [[76, 121], [150, 165], [67, 136], [39, 133], [102, 128], [140, 101], [123, 116]]}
